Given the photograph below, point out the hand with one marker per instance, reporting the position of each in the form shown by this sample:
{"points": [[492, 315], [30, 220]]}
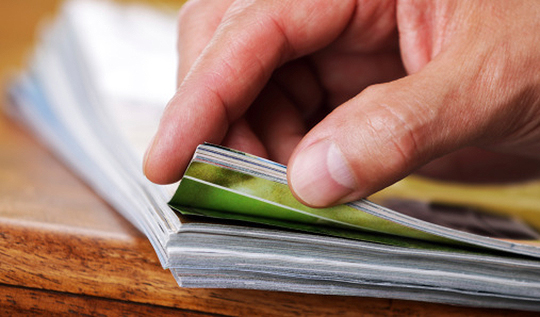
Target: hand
{"points": [[397, 84]]}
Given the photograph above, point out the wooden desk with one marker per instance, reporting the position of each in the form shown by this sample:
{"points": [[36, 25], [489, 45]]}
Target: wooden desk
{"points": [[63, 250]]}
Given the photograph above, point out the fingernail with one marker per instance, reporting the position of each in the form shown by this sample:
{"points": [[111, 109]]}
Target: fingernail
{"points": [[320, 175]]}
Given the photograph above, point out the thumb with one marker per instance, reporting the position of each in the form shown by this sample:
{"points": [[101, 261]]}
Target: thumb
{"points": [[385, 133]]}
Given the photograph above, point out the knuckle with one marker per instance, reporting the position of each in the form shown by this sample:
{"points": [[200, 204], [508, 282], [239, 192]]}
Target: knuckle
{"points": [[398, 130], [399, 141]]}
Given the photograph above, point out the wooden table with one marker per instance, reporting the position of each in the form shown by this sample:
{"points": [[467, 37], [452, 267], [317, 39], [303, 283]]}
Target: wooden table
{"points": [[63, 250]]}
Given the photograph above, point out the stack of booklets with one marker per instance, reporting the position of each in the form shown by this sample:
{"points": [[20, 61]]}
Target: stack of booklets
{"points": [[94, 90]]}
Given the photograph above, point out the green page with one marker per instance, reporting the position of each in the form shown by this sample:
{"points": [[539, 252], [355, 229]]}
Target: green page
{"points": [[214, 191], [226, 184]]}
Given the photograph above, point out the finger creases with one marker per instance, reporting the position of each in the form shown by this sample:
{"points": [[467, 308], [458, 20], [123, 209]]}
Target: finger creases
{"points": [[382, 135], [252, 39]]}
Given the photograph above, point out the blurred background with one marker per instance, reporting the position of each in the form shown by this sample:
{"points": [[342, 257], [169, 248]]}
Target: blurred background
{"points": [[19, 26]]}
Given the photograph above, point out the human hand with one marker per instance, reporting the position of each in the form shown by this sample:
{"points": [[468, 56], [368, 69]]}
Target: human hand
{"points": [[397, 84]]}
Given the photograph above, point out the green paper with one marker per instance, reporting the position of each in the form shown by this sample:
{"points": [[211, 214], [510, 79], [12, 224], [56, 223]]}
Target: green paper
{"points": [[218, 192]]}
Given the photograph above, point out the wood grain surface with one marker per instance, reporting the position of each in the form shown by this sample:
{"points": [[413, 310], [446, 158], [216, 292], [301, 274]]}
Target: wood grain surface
{"points": [[64, 251]]}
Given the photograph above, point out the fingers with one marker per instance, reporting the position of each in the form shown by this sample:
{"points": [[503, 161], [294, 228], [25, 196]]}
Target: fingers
{"points": [[299, 81], [197, 22], [472, 85], [241, 137], [385, 133], [278, 122], [252, 40], [272, 127], [343, 75]]}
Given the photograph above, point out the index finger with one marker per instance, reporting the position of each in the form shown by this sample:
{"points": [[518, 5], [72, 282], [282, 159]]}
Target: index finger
{"points": [[253, 39]]}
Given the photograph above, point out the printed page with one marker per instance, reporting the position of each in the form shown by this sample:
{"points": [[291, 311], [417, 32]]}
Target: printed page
{"points": [[509, 212], [229, 184]]}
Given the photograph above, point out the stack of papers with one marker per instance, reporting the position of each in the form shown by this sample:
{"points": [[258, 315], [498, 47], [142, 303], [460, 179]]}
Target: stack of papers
{"points": [[94, 91]]}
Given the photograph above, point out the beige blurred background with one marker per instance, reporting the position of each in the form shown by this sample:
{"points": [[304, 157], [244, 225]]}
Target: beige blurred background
{"points": [[19, 26]]}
